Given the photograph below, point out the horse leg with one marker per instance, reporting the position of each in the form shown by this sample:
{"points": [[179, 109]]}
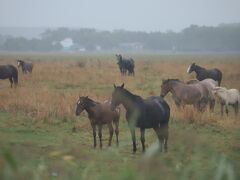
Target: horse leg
{"points": [[236, 108], [100, 135], [125, 72], [222, 109], [94, 135], [132, 129], [142, 130], [226, 108], [11, 81], [164, 129], [116, 130], [211, 105], [160, 137], [197, 105], [110, 127]]}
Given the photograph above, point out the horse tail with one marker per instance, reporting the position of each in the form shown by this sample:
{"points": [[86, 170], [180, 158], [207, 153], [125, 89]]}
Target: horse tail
{"points": [[166, 113], [220, 77]]}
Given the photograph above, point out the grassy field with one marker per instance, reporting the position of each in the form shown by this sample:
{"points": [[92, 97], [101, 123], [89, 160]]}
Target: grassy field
{"points": [[36, 121]]}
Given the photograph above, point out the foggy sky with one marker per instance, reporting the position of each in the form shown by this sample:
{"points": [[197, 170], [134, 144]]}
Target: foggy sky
{"points": [[135, 15]]}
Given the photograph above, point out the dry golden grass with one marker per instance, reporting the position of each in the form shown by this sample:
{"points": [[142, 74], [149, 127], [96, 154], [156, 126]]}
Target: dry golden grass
{"points": [[51, 91]]}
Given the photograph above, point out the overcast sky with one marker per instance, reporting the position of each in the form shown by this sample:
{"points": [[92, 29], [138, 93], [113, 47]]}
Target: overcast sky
{"points": [[136, 15]]}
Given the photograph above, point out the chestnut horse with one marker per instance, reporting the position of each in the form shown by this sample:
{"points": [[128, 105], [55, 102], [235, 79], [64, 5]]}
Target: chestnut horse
{"points": [[99, 114]]}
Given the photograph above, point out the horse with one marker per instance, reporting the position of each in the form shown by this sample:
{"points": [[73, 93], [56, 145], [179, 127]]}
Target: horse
{"points": [[152, 112], [227, 97], [26, 66], [203, 73], [209, 84], [99, 114], [125, 65], [9, 72], [194, 94]]}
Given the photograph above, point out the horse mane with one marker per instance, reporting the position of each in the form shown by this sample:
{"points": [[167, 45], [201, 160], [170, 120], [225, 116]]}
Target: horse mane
{"points": [[128, 93], [91, 102], [167, 80], [199, 67]]}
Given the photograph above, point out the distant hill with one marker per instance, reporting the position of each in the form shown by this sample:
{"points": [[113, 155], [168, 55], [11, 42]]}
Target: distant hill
{"points": [[221, 38], [26, 32]]}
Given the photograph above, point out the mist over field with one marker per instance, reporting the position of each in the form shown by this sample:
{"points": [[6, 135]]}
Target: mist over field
{"points": [[52, 52]]}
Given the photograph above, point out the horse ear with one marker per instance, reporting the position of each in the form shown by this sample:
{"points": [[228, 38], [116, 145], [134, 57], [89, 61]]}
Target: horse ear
{"points": [[122, 86], [114, 86]]}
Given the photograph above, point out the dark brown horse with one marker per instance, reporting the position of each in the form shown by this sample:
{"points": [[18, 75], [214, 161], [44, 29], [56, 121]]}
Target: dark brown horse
{"points": [[99, 114], [152, 112], [203, 73], [195, 94], [9, 72]]}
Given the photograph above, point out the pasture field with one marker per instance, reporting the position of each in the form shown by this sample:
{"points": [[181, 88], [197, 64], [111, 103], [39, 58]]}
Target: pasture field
{"points": [[37, 118]]}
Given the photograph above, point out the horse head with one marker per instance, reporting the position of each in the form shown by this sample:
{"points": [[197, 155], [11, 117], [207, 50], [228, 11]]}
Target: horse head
{"points": [[166, 86], [81, 104], [191, 68], [19, 62], [117, 96]]}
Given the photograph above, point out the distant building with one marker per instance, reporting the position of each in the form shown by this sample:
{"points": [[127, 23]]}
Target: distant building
{"points": [[69, 45], [131, 46]]}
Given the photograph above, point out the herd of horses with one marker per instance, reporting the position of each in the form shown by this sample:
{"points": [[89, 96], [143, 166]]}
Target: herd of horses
{"points": [[10, 72], [145, 113]]}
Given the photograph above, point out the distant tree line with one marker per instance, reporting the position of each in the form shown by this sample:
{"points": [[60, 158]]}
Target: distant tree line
{"points": [[225, 37]]}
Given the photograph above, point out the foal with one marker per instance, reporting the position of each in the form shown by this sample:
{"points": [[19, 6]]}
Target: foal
{"points": [[227, 97], [99, 114]]}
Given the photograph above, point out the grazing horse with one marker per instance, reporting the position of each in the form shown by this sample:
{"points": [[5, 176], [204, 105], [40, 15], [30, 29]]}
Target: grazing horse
{"points": [[203, 73], [227, 97], [99, 114], [152, 112], [9, 72], [125, 65], [195, 94], [26, 66]]}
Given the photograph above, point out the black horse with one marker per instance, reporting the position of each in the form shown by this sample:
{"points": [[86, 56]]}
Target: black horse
{"points": [[152, 112], [9, 72], [203, 73], [125, 65], [26, 66]]}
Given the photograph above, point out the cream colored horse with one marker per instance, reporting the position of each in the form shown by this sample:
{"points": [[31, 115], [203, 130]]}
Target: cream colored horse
{"points": [[227, 97]]}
